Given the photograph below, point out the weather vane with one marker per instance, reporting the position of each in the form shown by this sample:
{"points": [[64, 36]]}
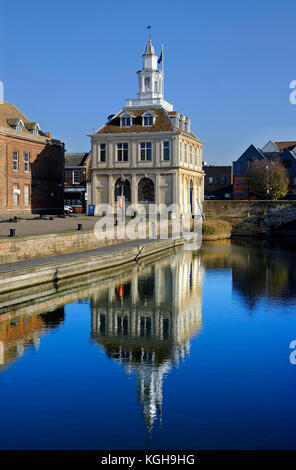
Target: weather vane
{"points": [[149, 32]]}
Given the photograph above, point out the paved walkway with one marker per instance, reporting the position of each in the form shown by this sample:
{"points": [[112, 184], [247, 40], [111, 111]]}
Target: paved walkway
{"points": [[71, 256], [33, 225]]}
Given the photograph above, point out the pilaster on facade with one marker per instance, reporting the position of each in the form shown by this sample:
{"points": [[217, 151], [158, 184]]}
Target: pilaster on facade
{"points": [[111, 191], [134, 189]]}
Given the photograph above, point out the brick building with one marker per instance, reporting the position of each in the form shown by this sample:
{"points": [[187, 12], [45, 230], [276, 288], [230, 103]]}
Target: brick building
{"points": [[76, 177], [31, 166], [25, 331], [283, 151], [218, 181]]}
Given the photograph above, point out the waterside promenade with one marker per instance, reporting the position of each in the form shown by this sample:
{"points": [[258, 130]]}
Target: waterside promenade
{"points": [[32, 272]]}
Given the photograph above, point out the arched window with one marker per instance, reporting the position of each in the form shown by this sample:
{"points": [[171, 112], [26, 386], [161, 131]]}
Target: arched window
{"points": [[146, 190], [122, 187]]}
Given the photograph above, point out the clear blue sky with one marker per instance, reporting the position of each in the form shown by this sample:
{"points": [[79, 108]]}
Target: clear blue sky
{"points": [[228, 65]]}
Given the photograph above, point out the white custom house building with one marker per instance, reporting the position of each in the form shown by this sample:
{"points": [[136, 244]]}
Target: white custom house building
{"points": [[147, 150]]}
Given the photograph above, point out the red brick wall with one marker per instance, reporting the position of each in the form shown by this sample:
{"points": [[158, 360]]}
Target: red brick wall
{"points": [[69, 177], [45, 176]]}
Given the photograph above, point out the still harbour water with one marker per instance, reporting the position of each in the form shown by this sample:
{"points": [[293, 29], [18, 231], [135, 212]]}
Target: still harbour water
{"points": [[190, 351]]}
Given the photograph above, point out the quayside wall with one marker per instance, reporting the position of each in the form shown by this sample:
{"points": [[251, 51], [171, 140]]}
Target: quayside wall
{"points": [[21, 278]]}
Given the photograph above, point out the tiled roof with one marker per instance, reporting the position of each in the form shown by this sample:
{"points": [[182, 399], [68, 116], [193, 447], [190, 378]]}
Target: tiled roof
{"points": [[9, 116], [76, 159], [31, 125], [162, 123], [12, 121], [285, 145]]}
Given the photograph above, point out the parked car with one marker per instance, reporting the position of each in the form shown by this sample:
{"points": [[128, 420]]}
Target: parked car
{"points": [[68, 209]]}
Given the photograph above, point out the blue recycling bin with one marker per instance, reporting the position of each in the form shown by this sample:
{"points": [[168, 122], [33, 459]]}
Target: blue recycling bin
{"points": [[91, 209]]}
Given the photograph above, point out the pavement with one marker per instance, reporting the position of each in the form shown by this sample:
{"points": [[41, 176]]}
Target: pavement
{"points": [[34, 225], [46, 260]]}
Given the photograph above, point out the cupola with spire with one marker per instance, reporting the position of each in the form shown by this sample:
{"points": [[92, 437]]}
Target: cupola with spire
{"points": [[149, 57], [150, 83]]}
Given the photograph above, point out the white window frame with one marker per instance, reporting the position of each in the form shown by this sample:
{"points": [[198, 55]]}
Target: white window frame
{"points": [[19, 125], [73, 176], [102, 151], [166, 147], [26, 195], [122, 148], [15, 160], [15, 195], [36, 129], [145, 151], [27, 162], [126, 120], [148, 119]]}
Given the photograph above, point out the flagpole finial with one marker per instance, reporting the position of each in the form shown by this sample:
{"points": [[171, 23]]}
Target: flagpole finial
{"points": [[149, 32]]}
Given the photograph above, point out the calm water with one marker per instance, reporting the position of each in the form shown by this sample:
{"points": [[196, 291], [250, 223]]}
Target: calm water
{"points": [[191, 351]]}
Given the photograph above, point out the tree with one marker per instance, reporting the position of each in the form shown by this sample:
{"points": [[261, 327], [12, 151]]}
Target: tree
{"points": [[268, 179]]}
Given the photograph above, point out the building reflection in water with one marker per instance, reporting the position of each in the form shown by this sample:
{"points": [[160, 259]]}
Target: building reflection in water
{"points": [[145, 324], [20, 333], [259, 270]]}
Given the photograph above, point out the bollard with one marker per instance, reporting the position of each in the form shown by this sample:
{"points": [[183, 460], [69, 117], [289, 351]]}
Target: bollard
{"points": [[12, 232], [79, 227]]}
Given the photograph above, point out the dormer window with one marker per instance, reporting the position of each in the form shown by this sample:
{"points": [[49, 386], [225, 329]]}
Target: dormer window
{"points": [[148, 119], [126, 120], [33, 127], [17, 124]]}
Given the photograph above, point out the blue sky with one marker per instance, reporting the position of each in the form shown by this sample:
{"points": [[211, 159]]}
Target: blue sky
{"points": [[228, 65]]}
